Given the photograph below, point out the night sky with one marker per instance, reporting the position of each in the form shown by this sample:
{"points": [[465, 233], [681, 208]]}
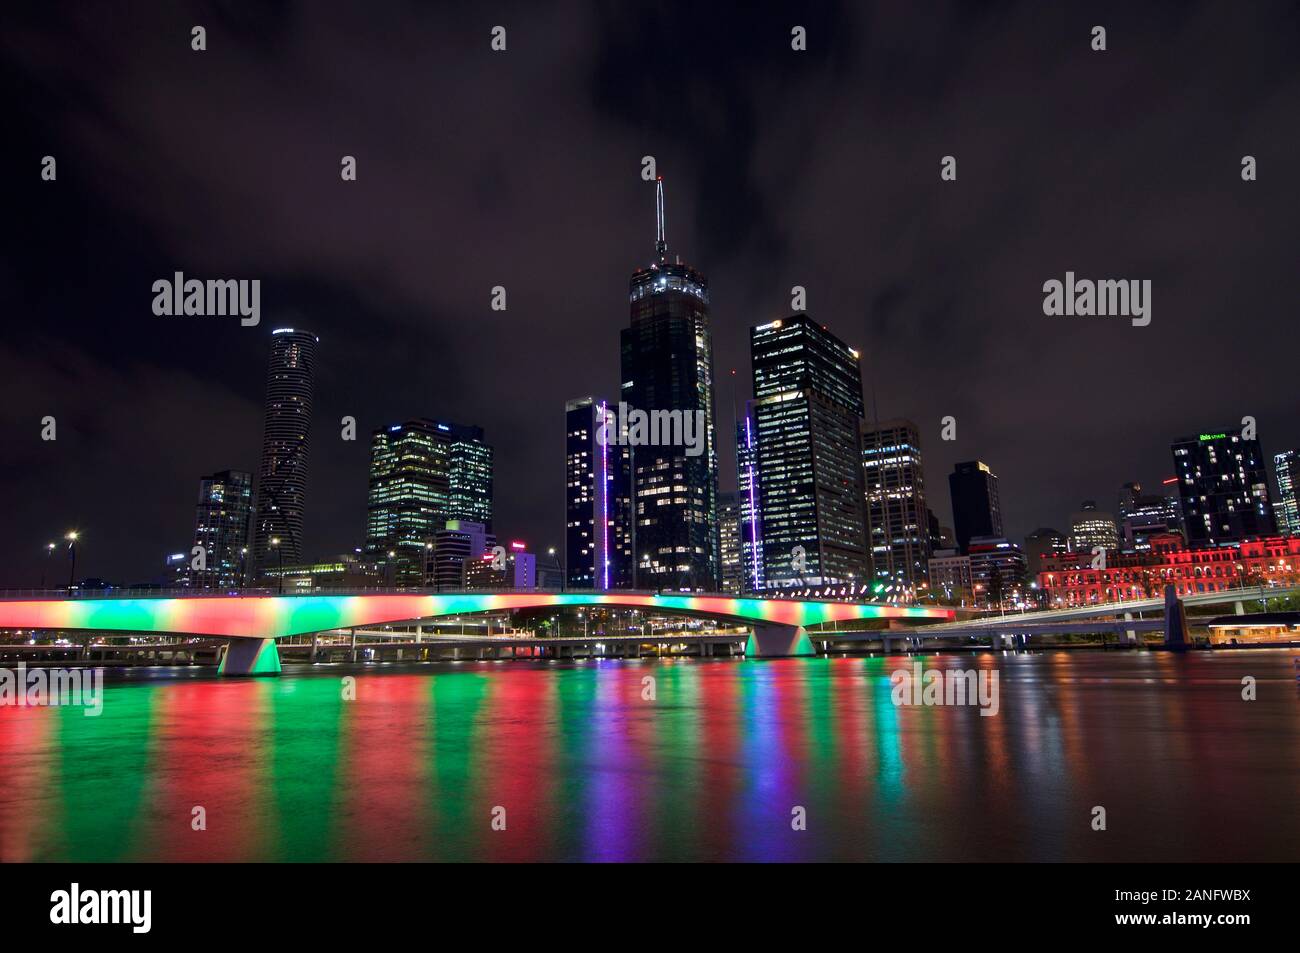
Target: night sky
{"points": [[522, 169]]}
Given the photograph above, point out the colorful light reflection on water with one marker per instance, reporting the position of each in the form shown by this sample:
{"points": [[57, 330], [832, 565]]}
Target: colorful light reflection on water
{"points": [[586, 768]]}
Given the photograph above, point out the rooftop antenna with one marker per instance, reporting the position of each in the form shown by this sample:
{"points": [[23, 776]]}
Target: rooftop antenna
{"points": [[661, 232]]}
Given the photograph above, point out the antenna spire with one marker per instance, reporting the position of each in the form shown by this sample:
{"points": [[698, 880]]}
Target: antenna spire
{"points": [[661, 231]]}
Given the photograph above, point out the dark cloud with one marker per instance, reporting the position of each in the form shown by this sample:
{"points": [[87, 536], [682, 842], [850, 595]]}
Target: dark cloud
{"points": [[478, 169]]}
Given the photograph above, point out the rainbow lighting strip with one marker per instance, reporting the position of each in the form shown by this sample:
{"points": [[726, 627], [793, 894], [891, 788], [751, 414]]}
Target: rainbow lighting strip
{"points": [[262, 617]]}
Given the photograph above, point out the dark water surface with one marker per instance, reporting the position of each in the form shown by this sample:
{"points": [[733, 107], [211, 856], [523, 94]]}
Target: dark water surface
{"points": [[711, 769]]}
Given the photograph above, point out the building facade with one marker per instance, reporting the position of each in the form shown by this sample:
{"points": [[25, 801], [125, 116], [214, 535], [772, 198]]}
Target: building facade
{"points": [[1068, 579], [898, 520], [807, 412], [598, 499], [221, 524], [1223, 485], [667, 365], [282, 478], [976, 504]]}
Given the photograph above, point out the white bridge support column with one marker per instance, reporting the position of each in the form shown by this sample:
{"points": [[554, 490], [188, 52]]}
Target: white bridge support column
{"points": [[250, 657], [778, 641], [1130, 635]]}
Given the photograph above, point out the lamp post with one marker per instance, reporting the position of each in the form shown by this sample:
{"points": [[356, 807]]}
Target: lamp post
{"points": [[45, 567], [243, 566], [275, 544], [559, 559], [72, 564], [428, 554]]}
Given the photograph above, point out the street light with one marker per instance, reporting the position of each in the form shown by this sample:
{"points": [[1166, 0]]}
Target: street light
{"points": [[71, 537], [49, 551], [559, 559], [275, 544]]}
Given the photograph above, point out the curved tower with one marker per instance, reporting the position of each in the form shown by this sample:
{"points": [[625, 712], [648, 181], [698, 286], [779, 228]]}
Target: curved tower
{"points": [[282, 478]]}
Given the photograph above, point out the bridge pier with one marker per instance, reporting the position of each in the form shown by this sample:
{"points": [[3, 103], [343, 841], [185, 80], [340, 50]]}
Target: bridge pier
{"points": [[1175, 621], [778, 641], [250, 657]]}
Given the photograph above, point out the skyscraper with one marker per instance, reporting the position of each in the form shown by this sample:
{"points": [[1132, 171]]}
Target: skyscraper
{"points": [[749, 512], [282, 478], [598, 499], [976, 507], [1223, 483], [422, 474], [898, 524], [667, 362], [221, 522], [807, 411], [1286, 467]]}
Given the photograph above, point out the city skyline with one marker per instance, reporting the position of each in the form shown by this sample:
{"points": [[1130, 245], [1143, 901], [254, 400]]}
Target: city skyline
{"points": [[179, 397]]}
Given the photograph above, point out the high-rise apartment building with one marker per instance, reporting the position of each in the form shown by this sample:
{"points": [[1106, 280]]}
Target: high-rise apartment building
{"points": [[1091, 528], [221, 524], [282, 479]]}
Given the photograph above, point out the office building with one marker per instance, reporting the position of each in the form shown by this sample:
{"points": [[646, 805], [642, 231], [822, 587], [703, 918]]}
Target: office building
{"points": [[807, 412], [598, 498], [1091, 529], [976, 506], [898, 521], [422, 474], [997, 569], [1143, 515], [733, 570], [950, 578], [516, 568]]}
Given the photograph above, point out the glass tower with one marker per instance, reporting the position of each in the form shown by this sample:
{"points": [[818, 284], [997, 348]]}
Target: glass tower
{"points": [[1286, 467], [898, 524], [667, 364]]}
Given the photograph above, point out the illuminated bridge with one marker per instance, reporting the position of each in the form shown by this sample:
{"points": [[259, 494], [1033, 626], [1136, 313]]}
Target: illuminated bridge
{"points": [[251, 624]]}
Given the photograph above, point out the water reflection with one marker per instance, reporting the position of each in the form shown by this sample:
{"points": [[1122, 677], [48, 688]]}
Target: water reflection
{"points": [[585, 766]]}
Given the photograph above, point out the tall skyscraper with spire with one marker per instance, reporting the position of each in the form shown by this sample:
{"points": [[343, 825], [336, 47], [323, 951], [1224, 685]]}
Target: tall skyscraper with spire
{"points": [[667, 362], [282, 478]]}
